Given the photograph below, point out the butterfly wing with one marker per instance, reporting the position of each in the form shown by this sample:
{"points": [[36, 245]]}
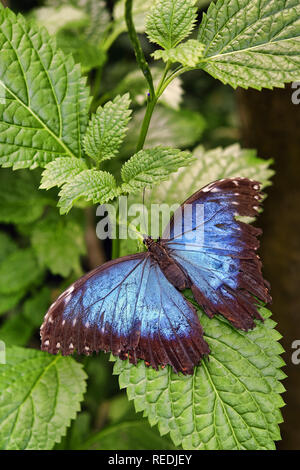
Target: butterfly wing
{"points": [[128, 307], [221, 262]]}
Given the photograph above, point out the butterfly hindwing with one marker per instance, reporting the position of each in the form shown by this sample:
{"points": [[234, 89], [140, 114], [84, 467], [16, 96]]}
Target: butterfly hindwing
{"points": [[128, 307], [222, 263]]}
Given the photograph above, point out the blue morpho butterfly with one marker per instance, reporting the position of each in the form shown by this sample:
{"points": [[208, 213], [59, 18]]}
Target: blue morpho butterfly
{"points": [[132, 306]]}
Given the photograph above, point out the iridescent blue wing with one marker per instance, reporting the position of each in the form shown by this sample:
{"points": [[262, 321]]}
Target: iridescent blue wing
{"points": [[218, 253], [128, 307]]}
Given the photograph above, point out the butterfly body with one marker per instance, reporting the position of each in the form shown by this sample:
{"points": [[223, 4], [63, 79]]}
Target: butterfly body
{"points": [[133, 306], [173, 272]]}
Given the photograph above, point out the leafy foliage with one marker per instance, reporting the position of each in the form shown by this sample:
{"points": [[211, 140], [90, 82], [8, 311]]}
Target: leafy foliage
{"points": [[51, 241], [88, 55], [107, 128], [211, 165], [252, 43], [182, 128], [33, 73], [188, 53], [92, 185], [171, 21], [20, 325], [231, 402], [60, 171], [135, 82], [47, 391], [148, 167], [97, 13], [126, 436], [25, 203], [139, 13], [55, 19], [18, 271], [9, 301], [34, 308]]}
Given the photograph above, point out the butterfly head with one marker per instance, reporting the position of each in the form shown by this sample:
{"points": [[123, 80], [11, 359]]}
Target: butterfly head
{"points": [[148, 241]]}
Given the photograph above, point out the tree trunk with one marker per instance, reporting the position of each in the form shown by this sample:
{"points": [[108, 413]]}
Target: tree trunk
{"points": [[270, 122]]}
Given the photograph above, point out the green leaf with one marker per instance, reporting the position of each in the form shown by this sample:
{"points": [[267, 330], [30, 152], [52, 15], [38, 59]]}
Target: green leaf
{"points": [[20, 199], [19, 271], [43, 99], [139, 12], [96, 12], [60, 17], [20, 326], [16, 330], [168, 127], [60, 171], [77, 432], [252, 43], [107, 129], [209, 166], [149, 167], [9, 301], [231, 402], [88, 55], [171, 21], [7, 245], [90, 185], [127, 436], [187, 53], [40, 395], [58, 243], [35, 307]]}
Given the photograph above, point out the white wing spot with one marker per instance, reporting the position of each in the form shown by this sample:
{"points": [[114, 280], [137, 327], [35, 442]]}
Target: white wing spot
{"points": [[58, 345], [71, 346], [74, 321], [46, 343], [87, 324]]}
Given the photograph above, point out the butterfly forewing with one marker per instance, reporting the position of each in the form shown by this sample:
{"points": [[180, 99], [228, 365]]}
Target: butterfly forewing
{"points": [[222, 263]]}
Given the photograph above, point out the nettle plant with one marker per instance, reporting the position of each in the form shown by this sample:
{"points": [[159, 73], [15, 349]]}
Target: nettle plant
{"points": [[232, 401]]}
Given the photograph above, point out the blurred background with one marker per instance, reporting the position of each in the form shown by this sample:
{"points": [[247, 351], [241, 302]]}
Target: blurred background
{"points": [[203, 111]]}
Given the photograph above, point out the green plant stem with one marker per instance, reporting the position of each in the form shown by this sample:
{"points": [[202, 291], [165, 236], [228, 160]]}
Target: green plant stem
{"points": [[138, 48], [150, 108], [171, 77], [146, 123]]}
